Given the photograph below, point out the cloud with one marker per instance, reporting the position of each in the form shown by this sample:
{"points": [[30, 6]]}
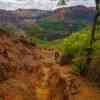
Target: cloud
{"points": [[43, 4]]}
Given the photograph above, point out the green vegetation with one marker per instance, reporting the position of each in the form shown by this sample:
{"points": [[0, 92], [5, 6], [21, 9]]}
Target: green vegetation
{"points": [[79, 67], [74, 43], [9, 28], [33, 29], [57, 44], [77, 42], [52, 25]]}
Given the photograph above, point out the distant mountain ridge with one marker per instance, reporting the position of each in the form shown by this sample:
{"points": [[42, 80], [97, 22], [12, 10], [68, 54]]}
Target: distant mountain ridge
{"points": [[78, 12], [70, 15], [33, 13]]}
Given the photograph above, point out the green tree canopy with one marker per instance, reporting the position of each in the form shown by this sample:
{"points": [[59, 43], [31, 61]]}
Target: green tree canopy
{"points": [[62, 2]]}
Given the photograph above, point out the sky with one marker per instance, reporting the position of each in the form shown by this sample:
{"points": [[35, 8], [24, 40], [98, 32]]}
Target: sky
{"points": [[40, 4]]}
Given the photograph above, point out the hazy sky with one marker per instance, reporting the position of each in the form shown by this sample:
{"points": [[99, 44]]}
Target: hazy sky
{"points": [[40, 4]]}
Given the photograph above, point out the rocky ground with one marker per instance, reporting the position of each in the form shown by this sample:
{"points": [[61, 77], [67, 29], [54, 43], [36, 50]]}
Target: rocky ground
{"points": [[28, 72]]}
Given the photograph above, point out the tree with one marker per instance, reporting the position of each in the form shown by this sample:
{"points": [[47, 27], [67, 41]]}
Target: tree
{"points": [[62, 2], [93, 39]]}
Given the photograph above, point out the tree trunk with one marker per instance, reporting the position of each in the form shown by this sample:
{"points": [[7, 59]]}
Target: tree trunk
{"points": [[92, 39]]}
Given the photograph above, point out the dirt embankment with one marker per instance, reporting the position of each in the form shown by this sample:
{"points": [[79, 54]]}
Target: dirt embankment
{"points": [[28, 72]]}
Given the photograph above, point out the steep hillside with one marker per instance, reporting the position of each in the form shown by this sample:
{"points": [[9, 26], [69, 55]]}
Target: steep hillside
{"points": [[29, 72]]}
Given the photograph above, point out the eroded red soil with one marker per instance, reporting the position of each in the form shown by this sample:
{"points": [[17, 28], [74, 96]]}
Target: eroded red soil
{"points": [[28, 72]]}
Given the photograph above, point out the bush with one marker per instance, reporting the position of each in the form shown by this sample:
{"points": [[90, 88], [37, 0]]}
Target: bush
{"points": [[66, 59], [80, 68], [32, 30]]}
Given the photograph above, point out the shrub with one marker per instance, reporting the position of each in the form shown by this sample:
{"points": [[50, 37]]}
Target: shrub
{"points": [[66, 59], [79, 67]]}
